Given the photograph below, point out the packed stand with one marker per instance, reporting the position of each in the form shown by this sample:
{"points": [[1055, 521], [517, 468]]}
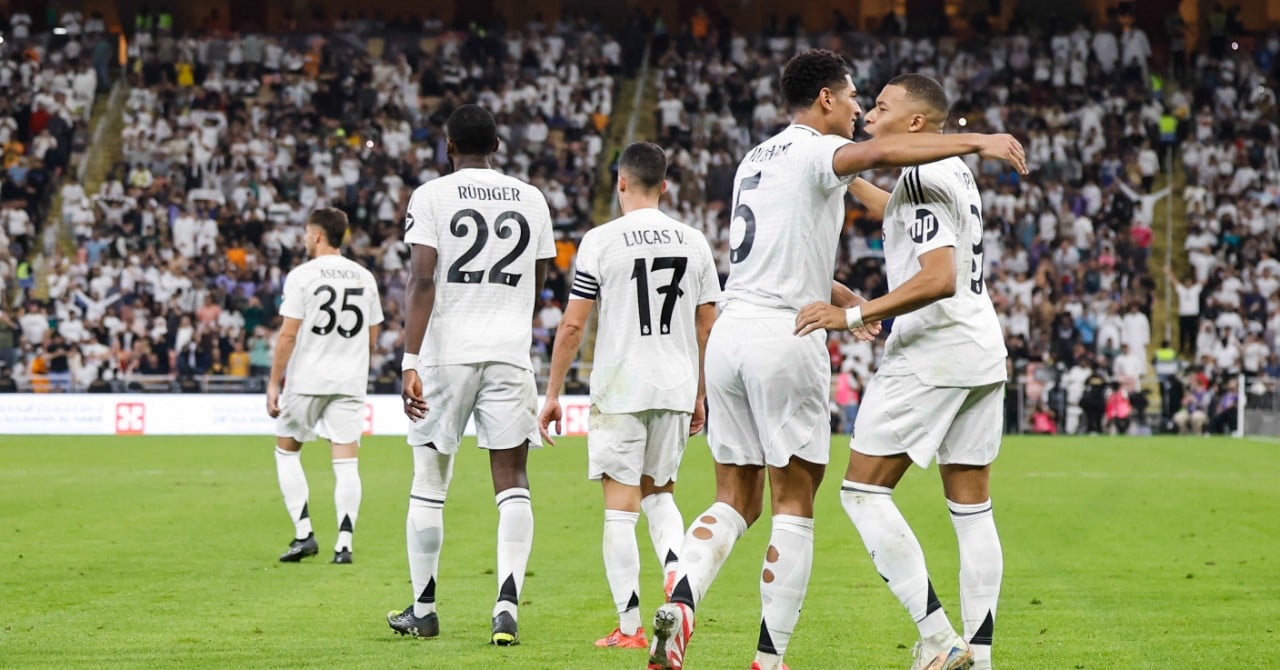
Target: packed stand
{"points": [[230, 141], [1228, 299], [49, 83], [1066, 249]]}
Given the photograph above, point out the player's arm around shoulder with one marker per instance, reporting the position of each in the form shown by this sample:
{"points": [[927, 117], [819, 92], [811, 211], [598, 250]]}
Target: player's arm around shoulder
{"points": [[906, 149]]}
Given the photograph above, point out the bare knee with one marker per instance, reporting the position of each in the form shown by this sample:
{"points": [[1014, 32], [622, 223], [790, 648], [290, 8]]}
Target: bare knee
{"points": [[966, 484], [648, 488], [509, 468], [742, 488], [794, 487]]}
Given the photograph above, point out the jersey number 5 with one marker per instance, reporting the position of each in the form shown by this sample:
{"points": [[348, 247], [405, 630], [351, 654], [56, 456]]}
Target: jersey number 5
{"points": [[976, 283], [742, 211], [347, 306], [671, 291], [459, 228]]}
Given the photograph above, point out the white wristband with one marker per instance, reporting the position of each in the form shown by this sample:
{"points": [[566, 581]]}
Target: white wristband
{"points": [[409, 362], [853, 317]]}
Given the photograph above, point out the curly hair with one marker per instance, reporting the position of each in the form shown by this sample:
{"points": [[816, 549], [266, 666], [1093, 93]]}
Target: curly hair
{"points": [[808, 73]]}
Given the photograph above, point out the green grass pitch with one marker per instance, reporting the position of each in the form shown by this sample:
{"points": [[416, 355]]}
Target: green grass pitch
{"points": [[161, 552]]}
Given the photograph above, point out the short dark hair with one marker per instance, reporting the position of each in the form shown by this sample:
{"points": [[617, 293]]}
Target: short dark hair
{"points": [[646, 162], [808, 72], [923, 88], [472, 130], [333, 222]]}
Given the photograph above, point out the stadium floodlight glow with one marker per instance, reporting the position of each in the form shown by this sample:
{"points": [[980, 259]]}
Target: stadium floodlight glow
{"points": [[59, 31], [963, 122], [369, 143], [1235, 46]]}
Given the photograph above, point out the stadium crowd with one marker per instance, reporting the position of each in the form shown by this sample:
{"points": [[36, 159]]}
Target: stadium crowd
{"points": [[230, 141]]}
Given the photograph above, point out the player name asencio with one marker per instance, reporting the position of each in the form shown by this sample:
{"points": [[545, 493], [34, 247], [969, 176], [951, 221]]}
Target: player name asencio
{"points": [[470, 192], [328, 273], [634, 237]]}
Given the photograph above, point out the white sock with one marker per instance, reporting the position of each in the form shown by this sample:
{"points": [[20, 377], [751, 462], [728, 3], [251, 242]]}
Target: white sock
{"points": [[981, 569], [515, 540], [293, 484], [706, 547], [898, 557], [783, 581], [346, 499], [666, 528], [622, 566], [424, 527]]}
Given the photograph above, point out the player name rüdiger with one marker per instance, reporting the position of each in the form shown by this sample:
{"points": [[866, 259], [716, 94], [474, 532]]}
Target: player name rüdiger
{"points": [[636, 237], [472, 192]]}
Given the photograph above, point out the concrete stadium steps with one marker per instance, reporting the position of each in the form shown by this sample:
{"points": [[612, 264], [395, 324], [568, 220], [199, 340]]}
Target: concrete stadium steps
{"points": [[58, 236], [1164, 315]]}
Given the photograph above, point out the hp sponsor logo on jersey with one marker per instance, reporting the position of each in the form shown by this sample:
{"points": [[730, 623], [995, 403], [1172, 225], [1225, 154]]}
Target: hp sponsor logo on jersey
{"points": [[925, 227]]}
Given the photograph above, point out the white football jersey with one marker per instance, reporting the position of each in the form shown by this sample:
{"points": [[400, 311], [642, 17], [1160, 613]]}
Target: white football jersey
{"points": [[648, 274], [787, 214], [956, 341], [488, 230], [337, 301]]}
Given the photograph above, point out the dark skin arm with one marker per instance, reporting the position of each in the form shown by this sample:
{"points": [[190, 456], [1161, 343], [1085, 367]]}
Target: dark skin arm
{"points": [[919, 148], [874, 198], [420, 299]]}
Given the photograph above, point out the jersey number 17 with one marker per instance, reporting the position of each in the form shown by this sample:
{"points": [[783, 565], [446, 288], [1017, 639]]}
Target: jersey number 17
{"points": [[670, 291]]}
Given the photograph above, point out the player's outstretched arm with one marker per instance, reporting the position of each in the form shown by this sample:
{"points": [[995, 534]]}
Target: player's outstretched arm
{"points": [[704, 319], [873, 197], [918, 148], [286, 340], [568, 338], [420, 299], [935, 280]]}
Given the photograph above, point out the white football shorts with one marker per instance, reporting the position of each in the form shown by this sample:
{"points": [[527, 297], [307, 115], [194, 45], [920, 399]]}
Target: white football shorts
{"points": [[902, 415], [767, 390], [502, 397], [627, 446], [343, 417]]}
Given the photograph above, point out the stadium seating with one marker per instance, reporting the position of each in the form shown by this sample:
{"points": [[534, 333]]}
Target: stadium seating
{"points": [[229, 142]]}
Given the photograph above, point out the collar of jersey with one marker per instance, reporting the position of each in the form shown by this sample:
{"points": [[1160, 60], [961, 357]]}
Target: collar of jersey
{"points": [[808, 128]]}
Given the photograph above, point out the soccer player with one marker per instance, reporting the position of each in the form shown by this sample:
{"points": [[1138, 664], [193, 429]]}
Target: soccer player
{"points": [[767, 389], [331, 313], [939, 390], [481, 242], [656, 285]]}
